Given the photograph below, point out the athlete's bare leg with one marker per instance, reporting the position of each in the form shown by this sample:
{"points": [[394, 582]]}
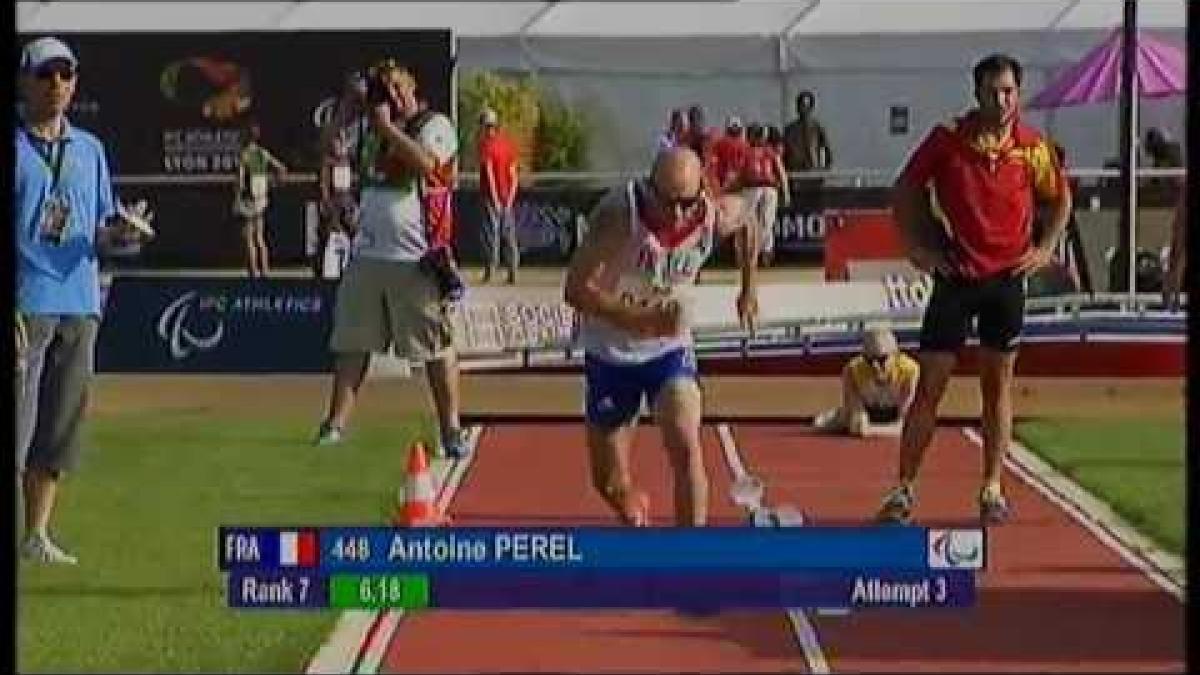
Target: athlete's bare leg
{"points": [[921, 420], [678, 408], [608, 449]]}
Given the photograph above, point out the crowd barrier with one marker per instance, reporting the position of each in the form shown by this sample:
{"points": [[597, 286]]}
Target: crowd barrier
{"points": [[197, 228]]}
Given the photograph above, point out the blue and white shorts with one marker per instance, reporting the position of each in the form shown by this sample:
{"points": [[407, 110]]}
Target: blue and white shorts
{"points": [[614, 392]]}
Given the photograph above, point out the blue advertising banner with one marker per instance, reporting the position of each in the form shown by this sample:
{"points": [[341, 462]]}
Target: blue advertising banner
{"points": [[216, 325]]}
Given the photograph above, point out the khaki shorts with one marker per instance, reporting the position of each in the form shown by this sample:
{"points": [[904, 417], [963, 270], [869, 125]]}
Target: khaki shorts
{"points": [[384, 304]]}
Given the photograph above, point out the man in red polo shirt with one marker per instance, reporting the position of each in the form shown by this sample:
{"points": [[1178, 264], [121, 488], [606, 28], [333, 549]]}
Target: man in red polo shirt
{"points": [[983, 171], [498, 181]]}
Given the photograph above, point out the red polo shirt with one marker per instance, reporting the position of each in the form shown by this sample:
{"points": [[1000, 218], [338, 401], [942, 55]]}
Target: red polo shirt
{"points": [[497, 156], [984, 189]]}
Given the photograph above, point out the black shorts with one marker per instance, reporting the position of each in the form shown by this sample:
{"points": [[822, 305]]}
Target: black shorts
{"points": [[998, 302]]}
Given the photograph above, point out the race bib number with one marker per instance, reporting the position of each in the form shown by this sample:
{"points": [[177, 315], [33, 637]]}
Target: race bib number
{"points": [[258, 186]]}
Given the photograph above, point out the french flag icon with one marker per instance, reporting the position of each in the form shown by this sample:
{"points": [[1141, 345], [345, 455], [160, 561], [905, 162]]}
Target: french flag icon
{"points": [[297, 548]]}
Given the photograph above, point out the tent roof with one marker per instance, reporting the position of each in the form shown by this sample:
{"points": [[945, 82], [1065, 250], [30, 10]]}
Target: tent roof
{"points": [[592, 18]]}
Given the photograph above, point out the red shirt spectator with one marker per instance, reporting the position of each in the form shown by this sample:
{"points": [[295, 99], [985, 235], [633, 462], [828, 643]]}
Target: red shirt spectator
{"points": [[497, 166], [984, 188], [728, 156]]}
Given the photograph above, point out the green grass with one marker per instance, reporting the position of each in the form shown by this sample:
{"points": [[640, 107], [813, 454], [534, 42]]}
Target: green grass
{"points": [[142, 515], [1136, 465]]}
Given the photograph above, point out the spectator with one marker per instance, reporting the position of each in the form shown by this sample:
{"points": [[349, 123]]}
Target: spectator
{"points": [[250, 198], [806, 147], [986, 168], [765, 183], [338, 180], [1173, 280], [391, 296], [675, 133], [775, 140], [877, 387], [498, 180], [697, 136], [64, 216], [1163, 152], [728, 156]]}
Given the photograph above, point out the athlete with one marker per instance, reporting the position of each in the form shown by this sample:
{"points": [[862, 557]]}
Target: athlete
{"points": [[628, 282], [877, 387]]}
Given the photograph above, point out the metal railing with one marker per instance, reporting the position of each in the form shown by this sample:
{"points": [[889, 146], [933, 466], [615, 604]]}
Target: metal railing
{"points": [[856, 177]]}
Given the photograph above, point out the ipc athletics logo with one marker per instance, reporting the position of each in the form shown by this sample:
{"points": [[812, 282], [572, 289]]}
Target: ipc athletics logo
{"points": [[960, 549]]}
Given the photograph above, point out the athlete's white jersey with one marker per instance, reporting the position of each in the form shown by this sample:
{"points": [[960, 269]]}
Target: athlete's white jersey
{"points": [[646, 271]]}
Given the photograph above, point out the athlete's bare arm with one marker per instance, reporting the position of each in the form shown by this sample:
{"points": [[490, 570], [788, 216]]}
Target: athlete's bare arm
{"points": [[734, 218], [607, 235]]}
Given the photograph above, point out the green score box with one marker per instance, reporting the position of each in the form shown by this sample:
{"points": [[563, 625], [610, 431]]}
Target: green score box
{"points": [[379, 591]]}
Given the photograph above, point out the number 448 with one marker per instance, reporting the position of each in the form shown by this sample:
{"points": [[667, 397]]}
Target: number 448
{"points": [[351, 549]]}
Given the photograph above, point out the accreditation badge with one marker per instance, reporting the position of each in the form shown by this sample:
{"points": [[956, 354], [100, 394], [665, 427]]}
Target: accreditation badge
{"points": [[55, 215], [341, 178]]}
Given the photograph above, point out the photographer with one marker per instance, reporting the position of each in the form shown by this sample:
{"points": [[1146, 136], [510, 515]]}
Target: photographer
{"points": [[401, 277]]}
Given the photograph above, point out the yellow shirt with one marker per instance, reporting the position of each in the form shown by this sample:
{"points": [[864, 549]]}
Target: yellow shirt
{"points": [[900, 375]]}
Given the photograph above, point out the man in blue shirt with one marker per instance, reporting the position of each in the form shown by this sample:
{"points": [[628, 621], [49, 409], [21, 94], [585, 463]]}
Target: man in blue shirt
{"points": [[63, 204]]}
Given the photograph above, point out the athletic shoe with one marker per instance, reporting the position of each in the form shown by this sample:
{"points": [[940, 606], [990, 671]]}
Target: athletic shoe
{"points": [[457, 445], [897, 506], [993, 507], [39, 548], [328, 435]]}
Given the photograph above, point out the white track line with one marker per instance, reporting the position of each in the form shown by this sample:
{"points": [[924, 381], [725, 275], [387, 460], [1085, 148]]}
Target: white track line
{"points": [[355, 627], [802, 628], [1098, 518]]}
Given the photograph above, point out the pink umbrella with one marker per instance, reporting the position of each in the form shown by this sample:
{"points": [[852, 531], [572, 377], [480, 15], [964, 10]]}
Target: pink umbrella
{"points": [[1160, 70]]}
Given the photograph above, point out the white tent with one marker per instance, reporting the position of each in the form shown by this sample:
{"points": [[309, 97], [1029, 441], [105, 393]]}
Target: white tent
{"points": [[628, 63]]}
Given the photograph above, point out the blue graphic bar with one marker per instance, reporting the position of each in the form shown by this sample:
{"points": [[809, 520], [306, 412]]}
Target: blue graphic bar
{"points": [[382, 549], [701, 591], [277, 589], [417, 549]]}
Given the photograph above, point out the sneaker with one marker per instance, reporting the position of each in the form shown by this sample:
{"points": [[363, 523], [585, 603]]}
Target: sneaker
{"points": [[897, 506], [993, 507], [40, 549], [328, 435], [456, 445]]}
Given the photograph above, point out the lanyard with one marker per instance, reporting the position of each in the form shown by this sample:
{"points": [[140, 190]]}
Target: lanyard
{"points": [[53, 160]]}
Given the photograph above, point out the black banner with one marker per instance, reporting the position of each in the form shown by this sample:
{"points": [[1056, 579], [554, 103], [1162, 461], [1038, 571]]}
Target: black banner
{"points": [[207, 325], [177, 103]]}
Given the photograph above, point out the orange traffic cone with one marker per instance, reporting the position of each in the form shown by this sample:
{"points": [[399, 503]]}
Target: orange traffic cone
{"points": [[418, 509]]}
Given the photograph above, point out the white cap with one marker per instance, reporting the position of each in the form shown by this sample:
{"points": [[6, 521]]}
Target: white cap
{"points": [[43, 50], [489, 118], [733, 122], [879, 342]]}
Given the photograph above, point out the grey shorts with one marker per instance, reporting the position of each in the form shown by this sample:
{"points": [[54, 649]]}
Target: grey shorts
{"points": [[53, 375], [385, 304]]}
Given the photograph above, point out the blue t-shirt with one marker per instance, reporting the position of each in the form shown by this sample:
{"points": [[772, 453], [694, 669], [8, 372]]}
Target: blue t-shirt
{"points": [[60, 278]]}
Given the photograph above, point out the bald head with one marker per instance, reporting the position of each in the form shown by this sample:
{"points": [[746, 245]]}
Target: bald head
{"points": [[677, 173], [879, 342]]}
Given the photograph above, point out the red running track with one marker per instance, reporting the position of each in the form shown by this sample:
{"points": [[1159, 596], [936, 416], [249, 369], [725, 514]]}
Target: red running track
{"points": [[1053, 597]]}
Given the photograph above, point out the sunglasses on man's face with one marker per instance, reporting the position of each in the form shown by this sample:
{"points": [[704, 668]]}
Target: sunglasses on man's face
{"points": [[878, 360], [683, 203], [64, 73]]}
